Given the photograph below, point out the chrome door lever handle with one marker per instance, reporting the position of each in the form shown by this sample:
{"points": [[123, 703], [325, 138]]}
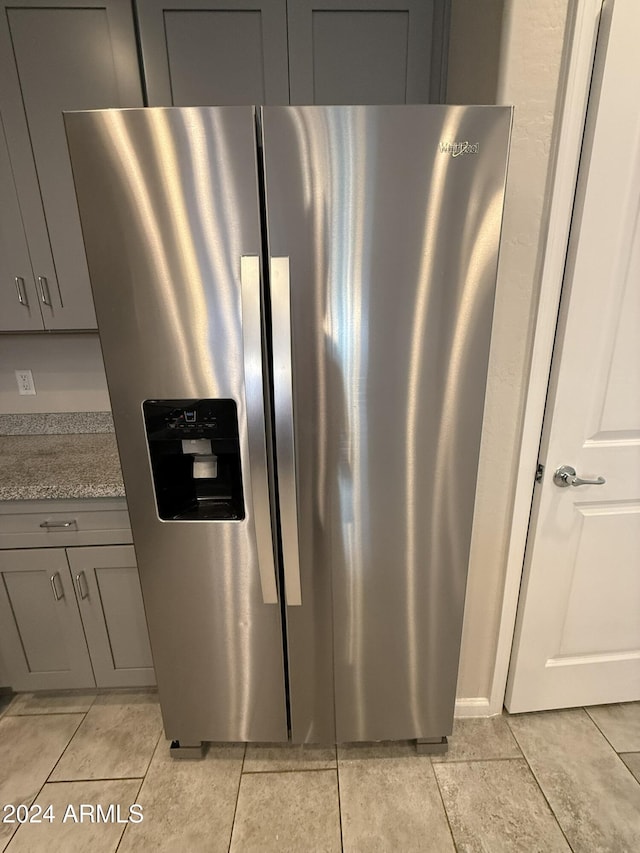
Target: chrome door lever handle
{"points": [[565, 475]]}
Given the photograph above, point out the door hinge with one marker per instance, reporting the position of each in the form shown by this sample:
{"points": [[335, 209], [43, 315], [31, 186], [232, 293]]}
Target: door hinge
{"points": [[539, 472]]}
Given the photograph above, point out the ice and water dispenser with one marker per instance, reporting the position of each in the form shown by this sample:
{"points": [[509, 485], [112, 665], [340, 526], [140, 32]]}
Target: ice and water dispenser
{"points": [[195, 459]]}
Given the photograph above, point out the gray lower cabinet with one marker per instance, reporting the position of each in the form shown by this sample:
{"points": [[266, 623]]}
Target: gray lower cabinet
{"points": [[73, 618], [110, 600], [41, 636], [57, 55]]}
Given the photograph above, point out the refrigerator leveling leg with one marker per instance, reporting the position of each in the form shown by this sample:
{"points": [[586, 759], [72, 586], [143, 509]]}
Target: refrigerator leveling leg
{"points": [[431, 745], [180, 749]]}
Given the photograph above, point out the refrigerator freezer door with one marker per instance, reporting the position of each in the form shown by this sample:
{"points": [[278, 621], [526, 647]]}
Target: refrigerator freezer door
{"points": [[169, 207], [390, 217]]}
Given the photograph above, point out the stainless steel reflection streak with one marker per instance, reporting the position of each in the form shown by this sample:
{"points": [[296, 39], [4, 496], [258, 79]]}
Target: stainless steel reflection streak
{"points": [[393, 252], [169, 205]]}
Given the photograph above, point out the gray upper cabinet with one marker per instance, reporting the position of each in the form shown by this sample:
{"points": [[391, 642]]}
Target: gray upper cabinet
{"points": [[19, 308], [60, 55], [367, 51], [55, 56], [204, 52], [208, 52]]}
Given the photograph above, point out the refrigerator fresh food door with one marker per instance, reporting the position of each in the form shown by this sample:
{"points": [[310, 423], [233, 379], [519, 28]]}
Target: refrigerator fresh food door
{"points": [[170, 215], [383, 227]]}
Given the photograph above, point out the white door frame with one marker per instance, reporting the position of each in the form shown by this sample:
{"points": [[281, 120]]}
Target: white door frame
{"points": [[575, 80]]}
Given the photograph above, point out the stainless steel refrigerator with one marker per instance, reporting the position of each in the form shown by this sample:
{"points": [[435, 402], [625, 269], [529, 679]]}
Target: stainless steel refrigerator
{"points": [[295, 307]]}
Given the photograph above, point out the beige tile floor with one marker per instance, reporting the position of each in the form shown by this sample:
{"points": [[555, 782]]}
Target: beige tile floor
{"points": [[552, 781]]}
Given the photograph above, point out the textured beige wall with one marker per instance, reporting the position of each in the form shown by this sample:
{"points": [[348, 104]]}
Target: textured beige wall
{"points": [[67, 372], [532, 44]]}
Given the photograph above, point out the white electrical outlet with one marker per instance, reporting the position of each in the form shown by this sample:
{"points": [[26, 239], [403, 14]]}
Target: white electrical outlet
{"points": [[24, 378]]}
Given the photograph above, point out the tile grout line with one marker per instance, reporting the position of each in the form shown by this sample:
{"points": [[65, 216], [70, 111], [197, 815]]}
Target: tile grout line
{"points": [[290, 770], [84, 717], [137, 795], [142, 781], [585, 708], [599, 728], [153, 752], [472, 760], [619, 754], [626, 766], [541, 789], [96, 779], [444, 807], [50, 694], [235, 808], [46, 714], [41, 788]]}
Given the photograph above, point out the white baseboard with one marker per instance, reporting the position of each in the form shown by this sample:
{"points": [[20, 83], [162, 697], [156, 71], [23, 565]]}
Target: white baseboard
{"points": [[477, 707]]}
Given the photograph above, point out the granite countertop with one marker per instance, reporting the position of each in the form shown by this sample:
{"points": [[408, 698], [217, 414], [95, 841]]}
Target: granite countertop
{"points": [[65, 455]]}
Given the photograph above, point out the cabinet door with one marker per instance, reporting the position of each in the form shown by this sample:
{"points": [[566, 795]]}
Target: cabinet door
{"points": [[18, 298], [41, 633], [214, 52], [367, 51], [55, 56], [110, 599]]}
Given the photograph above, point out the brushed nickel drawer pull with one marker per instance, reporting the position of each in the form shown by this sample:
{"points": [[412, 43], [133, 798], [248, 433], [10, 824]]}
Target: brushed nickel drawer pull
{"points": [[54, 586], [52, 525], [81, 584], [22, 293], [44, 290]]}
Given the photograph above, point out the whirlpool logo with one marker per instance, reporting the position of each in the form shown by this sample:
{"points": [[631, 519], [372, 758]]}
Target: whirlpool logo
{"points": [[457, 149]]}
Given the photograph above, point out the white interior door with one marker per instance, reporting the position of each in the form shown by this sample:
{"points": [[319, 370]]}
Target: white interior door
{"points": [[577, 638]]}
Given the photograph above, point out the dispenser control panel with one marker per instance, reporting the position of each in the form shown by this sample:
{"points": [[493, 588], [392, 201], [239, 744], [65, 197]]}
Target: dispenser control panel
{"points": [[194, 449], [192, 419]]}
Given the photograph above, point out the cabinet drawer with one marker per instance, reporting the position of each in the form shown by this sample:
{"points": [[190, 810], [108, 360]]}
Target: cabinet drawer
{"points": [[46, 524]]}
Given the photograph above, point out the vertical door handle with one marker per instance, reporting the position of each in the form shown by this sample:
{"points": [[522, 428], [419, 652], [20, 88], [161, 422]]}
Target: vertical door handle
{"points": [[55, 582], [285, 437], [22, 293], [82, 586], [43, 287], [258, 494]]}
